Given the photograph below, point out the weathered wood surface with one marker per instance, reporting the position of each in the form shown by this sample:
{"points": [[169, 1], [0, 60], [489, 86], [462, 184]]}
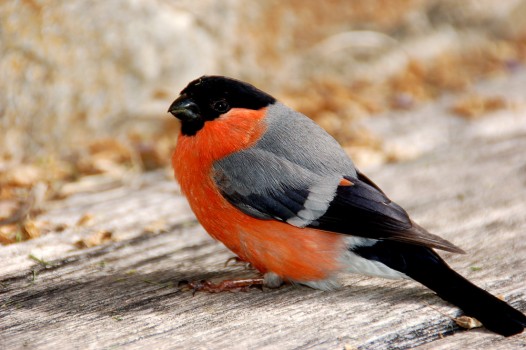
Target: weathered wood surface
{"points": [[469, 187]]}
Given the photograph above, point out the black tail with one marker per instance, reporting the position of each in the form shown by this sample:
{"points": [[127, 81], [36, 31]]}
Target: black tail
{"points": [[425, 266]]}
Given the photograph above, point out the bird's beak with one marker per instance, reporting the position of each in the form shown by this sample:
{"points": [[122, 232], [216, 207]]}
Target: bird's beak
{"points": [[185, 109]]}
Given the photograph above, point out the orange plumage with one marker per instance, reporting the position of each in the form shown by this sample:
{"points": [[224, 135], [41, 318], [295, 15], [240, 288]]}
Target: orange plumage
{"points": [[298, 254]]}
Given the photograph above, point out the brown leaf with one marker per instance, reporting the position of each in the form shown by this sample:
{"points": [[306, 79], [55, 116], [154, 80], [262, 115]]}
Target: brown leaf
{"points": [[22, 175], [9, 233], [95, 239], [467, 322], [85, 220], [111, 149], [151, 155], [32, 229], [474, 106], [105, 156], [7, 208], [156, 227], [22, 231]]}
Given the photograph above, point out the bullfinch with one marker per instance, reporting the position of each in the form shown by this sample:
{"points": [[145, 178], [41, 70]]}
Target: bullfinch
{"points": [[282, 194]]}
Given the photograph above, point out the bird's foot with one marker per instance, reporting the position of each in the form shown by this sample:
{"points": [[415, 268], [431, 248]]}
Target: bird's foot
{"points": [[242, 285]]}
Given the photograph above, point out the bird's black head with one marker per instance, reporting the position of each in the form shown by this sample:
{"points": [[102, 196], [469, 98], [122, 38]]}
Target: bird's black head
{"points": [[208, 97]]}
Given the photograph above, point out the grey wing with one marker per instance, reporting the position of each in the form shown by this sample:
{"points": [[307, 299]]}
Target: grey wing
{"points": [[267, 186]]}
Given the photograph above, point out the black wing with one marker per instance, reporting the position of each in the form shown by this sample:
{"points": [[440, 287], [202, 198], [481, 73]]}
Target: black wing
{"points": [[362, 209]]}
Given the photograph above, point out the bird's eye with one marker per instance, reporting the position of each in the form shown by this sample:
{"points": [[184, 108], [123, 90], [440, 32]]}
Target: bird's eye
{"points": [[220, 106]]}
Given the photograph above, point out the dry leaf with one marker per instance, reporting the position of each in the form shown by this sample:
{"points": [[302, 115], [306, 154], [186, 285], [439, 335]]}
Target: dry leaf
{"points": [[22, 175], [410, 84], [474, 106], [8, 208], [9, 234], [151, 154], [105, 156], [448, 73], [95, 239], [84, 220], [32, 229], [59, 227], [156, 227], [23, 231], [110, 149], [467, 322]]}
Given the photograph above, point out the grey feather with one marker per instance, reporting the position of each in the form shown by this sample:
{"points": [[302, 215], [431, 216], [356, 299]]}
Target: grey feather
{"points": [[285, 169], [293, 136]]}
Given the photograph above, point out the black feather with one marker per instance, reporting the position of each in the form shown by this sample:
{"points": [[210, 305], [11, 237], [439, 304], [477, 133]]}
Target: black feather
{"points": [[363, 210], [425, 266]]}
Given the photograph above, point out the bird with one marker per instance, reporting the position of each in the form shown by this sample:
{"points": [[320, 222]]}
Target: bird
{"points": [[281, 193]]}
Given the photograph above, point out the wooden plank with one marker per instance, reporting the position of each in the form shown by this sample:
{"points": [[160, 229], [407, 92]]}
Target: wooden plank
{"points": [[125, 293]]}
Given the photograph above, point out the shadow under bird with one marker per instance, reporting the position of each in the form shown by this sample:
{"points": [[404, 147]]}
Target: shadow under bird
{"points": [[282, 194]]}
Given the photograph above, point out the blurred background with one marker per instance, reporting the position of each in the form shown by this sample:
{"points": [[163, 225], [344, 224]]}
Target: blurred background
{"points": [[84, 86]]}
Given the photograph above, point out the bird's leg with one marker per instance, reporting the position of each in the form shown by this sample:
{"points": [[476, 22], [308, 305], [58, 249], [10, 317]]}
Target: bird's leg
{"points": [[269, 280], [241, 285]]}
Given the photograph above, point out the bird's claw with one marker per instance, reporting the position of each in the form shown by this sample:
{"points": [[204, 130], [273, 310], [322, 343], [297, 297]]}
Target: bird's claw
{"points": [[224, 286]]}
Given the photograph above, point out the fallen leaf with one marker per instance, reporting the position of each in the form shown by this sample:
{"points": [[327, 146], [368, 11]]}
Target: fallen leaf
{"points": [[467, 322], [59, 227], [156, 227], [8, 208], [474, 106], [111, 149], [23, 230], [32, 229], [85, 220], [151, 155], [95, 239], [21, 175], [9, 234]]}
